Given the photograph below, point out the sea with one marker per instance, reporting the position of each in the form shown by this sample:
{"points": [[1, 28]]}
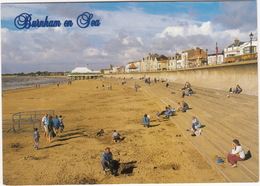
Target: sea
{"points": [[9, 83]]}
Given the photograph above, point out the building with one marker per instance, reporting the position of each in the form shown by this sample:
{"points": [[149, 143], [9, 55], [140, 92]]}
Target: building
{"points": [[197, 58], [149, 63], [233, 49], [172, 62], [214, 59], [240, 51], [83, 73], [133, 66]]}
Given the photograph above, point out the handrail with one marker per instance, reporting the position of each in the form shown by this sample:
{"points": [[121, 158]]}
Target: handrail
{"points": [[26, 118]]}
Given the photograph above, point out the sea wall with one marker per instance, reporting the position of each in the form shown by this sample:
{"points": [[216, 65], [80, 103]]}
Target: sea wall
{"points": [[220, 77]]}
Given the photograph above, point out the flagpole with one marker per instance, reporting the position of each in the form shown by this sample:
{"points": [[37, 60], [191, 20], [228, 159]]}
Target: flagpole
{"points": [[216, 53]]}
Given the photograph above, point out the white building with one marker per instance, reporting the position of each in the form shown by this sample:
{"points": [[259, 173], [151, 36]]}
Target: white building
{"points": [[245, 48], [83, 73], [213, 59], [233, 49]]}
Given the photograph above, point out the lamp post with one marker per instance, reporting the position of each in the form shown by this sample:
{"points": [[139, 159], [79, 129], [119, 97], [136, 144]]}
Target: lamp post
{"points": [[206, 57], [251, 37]]}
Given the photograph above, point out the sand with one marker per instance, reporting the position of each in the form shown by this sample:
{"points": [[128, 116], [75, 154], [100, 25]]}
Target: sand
{"points": [[147, 155]]}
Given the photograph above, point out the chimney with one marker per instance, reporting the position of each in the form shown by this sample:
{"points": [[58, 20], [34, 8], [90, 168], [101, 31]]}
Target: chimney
{"points": [[236, 40]]}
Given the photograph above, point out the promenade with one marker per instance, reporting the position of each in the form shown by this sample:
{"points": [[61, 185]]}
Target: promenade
{"points": [[224, 119]]}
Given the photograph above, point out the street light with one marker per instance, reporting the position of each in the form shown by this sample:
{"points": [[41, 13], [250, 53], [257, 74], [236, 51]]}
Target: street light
{"points": [[206, 56], [251, 37]]}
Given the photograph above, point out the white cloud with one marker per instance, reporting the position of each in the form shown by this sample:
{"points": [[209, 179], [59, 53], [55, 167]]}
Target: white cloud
{"points": [[94, 52], [123, 36], [186, 30]]}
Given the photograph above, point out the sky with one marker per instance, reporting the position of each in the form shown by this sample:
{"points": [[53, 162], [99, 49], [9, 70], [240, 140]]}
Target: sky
{"points": [[122, 32]]}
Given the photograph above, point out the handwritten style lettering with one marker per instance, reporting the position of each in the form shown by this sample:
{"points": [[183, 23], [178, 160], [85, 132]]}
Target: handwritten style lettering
{"points": [[85, 19], [24, 21]]}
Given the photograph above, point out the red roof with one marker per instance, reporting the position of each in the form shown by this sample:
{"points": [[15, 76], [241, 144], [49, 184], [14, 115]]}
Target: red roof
{"points": [[132, 66]]}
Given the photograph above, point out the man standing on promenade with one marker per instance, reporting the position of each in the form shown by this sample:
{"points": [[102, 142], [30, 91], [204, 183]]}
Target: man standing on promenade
{"points": [[106, 158]]}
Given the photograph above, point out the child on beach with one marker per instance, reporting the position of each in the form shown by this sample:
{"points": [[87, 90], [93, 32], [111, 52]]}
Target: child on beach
{"points": [[146, 121], [179, 107], [61, 123], [116, 136], [36, 137]]}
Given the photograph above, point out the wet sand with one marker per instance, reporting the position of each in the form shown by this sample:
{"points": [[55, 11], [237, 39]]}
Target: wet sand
{"points": [[147, 155]]}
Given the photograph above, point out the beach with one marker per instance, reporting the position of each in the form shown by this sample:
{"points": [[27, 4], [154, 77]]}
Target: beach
{"points": [[150, 155]]}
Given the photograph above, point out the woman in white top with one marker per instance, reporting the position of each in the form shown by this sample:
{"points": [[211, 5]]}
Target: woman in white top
{"points": [[195, 123], [237, 154]]}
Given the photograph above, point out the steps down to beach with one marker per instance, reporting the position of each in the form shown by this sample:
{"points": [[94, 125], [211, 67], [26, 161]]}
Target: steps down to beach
{"points": [[223, 117]]}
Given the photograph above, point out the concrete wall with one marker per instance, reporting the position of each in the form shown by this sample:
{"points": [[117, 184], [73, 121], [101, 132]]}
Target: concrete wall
{"points": [[220, 77]]}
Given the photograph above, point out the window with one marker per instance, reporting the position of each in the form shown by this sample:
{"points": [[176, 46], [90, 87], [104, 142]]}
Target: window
{"points": [[246, 50]]}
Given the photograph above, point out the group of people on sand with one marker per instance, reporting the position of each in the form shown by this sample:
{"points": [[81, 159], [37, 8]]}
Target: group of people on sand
{"points": [[107, 161], [52, 126], [109, 87]]}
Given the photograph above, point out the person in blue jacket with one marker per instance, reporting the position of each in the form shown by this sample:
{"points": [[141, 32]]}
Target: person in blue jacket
{"points": [[146, 121], [107, 157]]}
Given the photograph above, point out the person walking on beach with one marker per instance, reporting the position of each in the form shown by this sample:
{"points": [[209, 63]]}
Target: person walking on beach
{"points": [[136, 86], [44, 121], [51, 133], [237, 154], [146, 121], [107, 156], [61, 123], [56, 124], [36, 137]]}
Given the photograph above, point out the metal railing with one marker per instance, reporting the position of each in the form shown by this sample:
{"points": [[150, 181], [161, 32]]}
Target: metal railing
{"points": [[24, 121]]}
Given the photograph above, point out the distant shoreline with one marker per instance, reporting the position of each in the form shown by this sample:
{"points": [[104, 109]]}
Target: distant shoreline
{"points": [[22, 82]]}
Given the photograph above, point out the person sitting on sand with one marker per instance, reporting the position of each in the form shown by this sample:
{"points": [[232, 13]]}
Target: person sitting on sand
{"points": [[195, 127], [186, 85], [116, 136], [237, 90], [100, 133], [107, 156], [195, 123], [169, 112], [163, 112], [179, 107], [146, 121], [158, 116], [237, 154], [185, 106], [189, 92]]}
